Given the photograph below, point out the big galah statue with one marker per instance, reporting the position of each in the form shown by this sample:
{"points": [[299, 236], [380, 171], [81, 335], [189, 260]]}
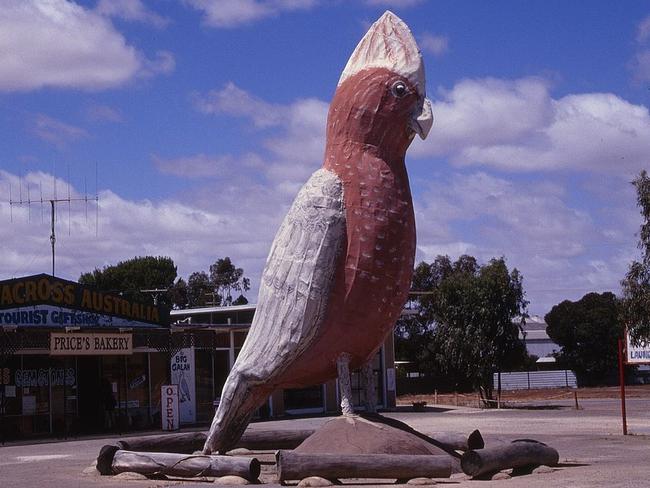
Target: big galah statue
{"points": [[340, 267]]}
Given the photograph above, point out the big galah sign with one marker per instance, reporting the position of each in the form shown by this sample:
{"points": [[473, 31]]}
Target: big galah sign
{"points": [[340, 267]]}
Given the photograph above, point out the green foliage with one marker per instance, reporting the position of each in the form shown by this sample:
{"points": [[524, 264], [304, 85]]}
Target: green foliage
{"points": [[468, 323], [200, 292], [635, 305], [588, 332], [216, 288], [128, 278], [226, 278]]}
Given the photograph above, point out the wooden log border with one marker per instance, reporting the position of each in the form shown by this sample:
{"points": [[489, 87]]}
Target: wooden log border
{"points": [[295, 466]]}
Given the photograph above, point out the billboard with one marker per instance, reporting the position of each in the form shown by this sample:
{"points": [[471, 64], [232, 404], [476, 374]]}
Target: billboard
{"points": [[65, 344], [182, 366], [46, 301], [637, 352]]}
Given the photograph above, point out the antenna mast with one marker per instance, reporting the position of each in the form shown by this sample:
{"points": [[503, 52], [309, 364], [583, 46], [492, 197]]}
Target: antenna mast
{"points": [[53, 203]]}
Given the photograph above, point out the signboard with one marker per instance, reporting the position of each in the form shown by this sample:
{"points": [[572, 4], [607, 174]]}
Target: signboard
{"points": [[637, 353], [81, 344], [170, 409], [44, 300], [182, 366]]}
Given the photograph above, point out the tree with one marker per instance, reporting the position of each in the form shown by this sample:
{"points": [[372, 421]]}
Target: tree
{"points": [[226, 278], [216, 287], [588, 332], [128, 278], [199, 290], [178, 294], [469, 321], [635, 303]]}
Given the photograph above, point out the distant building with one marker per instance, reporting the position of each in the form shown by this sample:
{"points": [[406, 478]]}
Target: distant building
{"points": [[537, 341]]}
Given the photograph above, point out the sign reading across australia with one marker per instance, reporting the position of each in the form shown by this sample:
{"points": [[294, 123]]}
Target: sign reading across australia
{"points": [[47, 301]]}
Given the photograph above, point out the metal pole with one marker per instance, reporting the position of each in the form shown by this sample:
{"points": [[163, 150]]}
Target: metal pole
{"points": [[52, 237], [621, 375], [65, 419]]}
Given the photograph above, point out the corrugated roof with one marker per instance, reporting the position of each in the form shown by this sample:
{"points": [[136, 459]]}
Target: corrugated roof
{"points": [[231, 308]]}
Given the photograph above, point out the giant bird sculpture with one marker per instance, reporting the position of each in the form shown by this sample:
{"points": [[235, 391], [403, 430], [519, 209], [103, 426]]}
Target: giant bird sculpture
{"points": [[340, 267]]}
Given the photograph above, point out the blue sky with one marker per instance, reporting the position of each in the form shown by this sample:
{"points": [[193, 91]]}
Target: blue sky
{"points": [[204, 118]]}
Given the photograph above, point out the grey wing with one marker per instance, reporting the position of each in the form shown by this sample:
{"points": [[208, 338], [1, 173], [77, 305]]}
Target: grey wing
{"points": [[297, 278]]}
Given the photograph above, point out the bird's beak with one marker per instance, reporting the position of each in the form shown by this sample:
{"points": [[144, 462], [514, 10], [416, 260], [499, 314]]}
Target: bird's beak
{"points": [[422, 121]]}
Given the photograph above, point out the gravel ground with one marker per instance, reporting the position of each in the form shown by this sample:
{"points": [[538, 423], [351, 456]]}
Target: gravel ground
{"points": [[592, 450]]}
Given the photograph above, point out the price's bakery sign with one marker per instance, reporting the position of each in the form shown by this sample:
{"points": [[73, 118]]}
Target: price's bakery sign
{"points": [[65, 344], [44, 300]]}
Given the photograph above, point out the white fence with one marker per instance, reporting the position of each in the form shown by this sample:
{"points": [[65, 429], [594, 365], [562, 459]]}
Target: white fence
{"points": [[527, 380]]}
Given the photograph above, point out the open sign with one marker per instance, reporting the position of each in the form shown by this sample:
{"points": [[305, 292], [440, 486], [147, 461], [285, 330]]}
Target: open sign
{"points": [[170, 411]]}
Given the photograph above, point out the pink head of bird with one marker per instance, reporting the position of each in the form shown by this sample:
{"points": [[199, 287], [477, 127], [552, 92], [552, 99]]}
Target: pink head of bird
{"points": [[381, 95]]}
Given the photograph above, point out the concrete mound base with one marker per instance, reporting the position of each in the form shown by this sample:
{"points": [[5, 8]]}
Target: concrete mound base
{"points": [[355, 435]]}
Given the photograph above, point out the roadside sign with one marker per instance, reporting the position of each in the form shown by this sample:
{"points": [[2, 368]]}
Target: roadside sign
{"points": [[169, 407], [637, 352]]}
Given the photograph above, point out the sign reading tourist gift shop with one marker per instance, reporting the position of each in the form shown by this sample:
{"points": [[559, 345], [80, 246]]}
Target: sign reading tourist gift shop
{"points": [[65, 344]]}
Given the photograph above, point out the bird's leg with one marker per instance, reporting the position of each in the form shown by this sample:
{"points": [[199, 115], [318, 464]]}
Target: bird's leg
{"points": [[343, 369], [368, 378]]}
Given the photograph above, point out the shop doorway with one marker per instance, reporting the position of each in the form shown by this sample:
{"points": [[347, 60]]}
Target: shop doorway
{"points": [[91, 404]]}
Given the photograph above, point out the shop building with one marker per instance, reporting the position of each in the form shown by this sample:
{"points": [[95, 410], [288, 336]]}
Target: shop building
{"points": [[74, 360]]}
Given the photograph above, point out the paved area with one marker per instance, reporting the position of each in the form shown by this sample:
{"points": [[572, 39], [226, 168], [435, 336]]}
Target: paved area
{"points": [[593, 452]]}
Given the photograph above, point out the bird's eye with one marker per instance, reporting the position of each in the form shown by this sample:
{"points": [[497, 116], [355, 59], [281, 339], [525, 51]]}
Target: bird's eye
{"points": [[399, 89]]}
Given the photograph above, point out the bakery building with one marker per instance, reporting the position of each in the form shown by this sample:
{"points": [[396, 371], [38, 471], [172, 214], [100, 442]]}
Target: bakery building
{"points": [[74, 360]]}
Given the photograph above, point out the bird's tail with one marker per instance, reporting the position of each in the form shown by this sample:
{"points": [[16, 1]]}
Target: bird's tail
{"points": [[239, 400]]}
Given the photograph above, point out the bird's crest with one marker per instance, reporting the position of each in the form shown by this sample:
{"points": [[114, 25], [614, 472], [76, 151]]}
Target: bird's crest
{"points": [[388, 44]]}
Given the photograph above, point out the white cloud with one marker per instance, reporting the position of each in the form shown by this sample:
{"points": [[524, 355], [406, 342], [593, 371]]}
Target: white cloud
{"points": [[57, 43], [643, 30], [517, 126], [435, 44], [163, 63], [394, 3], [532, 224], [232, 100], [55, 131], [640, 66], [194, 235], [131, 10], [231, 13], [204, 166], [103, 113], [297, 140]]}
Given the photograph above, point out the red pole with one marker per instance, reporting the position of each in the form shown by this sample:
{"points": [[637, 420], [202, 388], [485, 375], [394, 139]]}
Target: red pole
{"points": [[621, 375]]}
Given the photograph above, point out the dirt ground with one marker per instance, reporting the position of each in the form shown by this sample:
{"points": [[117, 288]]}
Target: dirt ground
{"points": [[593, 452], [524, 397]]}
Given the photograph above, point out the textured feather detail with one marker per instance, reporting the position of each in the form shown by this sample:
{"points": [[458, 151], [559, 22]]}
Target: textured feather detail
{"points": [[388, 44], [296, 281], [291, 305]]}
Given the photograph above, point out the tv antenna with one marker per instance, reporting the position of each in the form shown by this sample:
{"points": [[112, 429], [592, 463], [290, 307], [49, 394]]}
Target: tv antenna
{"points": [[27, 200]]}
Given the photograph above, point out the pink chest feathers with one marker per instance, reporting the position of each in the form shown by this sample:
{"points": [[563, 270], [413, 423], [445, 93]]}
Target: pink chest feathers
{"points": [[376, 266]]}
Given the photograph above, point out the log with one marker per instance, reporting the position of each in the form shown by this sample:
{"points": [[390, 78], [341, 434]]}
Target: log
{"points": [[514, 455], [189, 442], [295, 466], [460, 442], [261, 440], [181, 465], [185, 443]]}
